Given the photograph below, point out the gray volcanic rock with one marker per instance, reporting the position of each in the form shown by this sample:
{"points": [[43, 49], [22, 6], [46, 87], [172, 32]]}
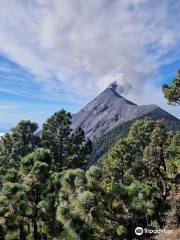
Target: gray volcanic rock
{"points": [[110, 109]]}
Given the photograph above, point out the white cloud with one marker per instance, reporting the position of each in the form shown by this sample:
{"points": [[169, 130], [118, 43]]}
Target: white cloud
{"points": [[7, 107], [1, 134], [75, 44], [124, 86]]}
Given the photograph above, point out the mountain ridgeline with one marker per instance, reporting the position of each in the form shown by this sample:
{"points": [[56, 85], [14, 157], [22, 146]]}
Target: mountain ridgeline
{"points": [[109, 116]]}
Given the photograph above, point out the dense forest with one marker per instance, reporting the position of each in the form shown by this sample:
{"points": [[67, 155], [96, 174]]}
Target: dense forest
{"points": [[104, 143], [48, 192]]}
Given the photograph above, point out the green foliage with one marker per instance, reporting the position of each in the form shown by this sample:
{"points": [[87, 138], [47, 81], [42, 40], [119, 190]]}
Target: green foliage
{"points": [[154, 158], [124, 161], [34, 172], [172, 93], [172, 153], [142, 162], [86, 209], [30, 176], [13, 208], [45, 193], [89, 209], [22, 193], [17, 144], [69, 150], [104, 143]]}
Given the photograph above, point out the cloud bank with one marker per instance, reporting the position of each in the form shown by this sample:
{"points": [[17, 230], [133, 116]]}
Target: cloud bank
{"points": [[77, 47]]}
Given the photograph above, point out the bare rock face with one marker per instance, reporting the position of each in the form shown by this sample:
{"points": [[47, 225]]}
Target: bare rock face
{"points": [[110, 109]]}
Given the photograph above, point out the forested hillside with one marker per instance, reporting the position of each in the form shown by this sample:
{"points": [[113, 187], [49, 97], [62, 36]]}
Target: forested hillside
{"points": [[102, 144], [47, 192]]}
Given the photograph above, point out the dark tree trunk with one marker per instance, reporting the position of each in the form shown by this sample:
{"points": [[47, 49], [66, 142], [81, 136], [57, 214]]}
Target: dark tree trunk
{"points": [[22, 235], [59, 161], [34, 220], [35, 234], [164, 165], [2, 236]]}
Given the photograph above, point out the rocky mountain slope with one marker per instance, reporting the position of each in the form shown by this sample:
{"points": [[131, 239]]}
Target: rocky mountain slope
{"points": [[109, 110]]}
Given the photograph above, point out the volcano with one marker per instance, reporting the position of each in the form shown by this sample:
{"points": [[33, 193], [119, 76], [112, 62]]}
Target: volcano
{"points": [[109, 110]]}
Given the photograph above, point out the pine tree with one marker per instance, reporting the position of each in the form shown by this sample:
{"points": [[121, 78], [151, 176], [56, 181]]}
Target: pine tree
{"points": [[172, 93], [50, 203], [69, 150], [34, 172], [125, 160], [87, 210], [13, 204], [155, 158], [18, 143], [172, 153], [137, 165], [45, 194]]}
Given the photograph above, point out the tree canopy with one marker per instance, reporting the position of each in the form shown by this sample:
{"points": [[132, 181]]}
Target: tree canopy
{"points": [[172, 92], [48, 192]]}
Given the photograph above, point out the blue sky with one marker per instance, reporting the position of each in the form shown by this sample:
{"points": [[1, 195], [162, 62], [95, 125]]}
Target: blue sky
{"points": [[22, 98], [56, 54]]}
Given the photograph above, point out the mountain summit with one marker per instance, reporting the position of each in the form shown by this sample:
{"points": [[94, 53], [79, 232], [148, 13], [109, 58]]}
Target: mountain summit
{"points": [[110, 109], [117, 87]]}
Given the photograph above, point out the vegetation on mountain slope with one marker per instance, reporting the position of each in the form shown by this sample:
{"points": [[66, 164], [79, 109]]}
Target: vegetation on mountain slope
{"points": [[46, 194], [102, 144], [29, 170], [44, 197]]}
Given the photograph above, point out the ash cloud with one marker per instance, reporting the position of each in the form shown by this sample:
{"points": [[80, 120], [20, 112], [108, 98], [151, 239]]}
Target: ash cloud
{"points": [[74, 43], [119, 83]]}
